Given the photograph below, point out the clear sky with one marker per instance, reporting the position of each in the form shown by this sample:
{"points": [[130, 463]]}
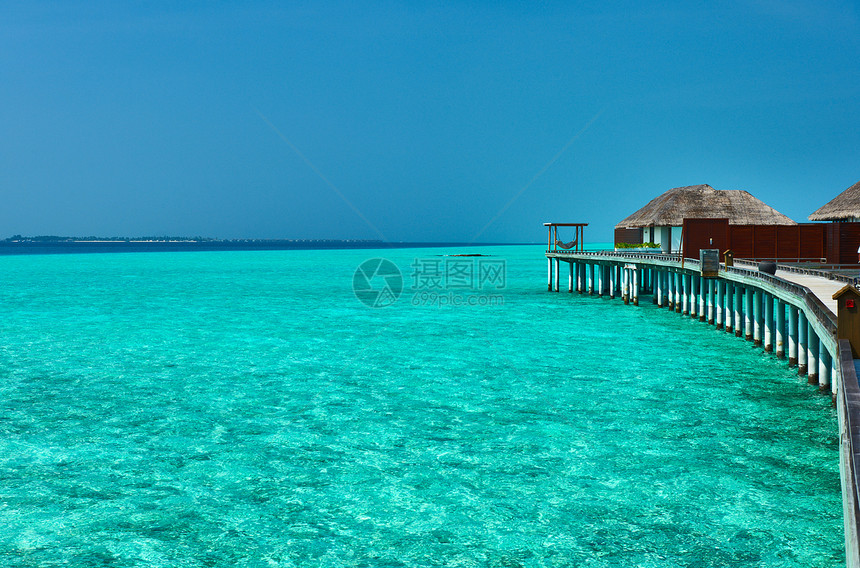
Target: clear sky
{"points": [[415, 121]]}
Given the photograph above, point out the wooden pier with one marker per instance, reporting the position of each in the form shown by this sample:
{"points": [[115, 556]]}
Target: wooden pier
{"points": [[792, 314]]}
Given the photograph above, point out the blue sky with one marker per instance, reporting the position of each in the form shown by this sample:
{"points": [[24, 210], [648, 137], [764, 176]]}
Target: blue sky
{"points": [[415, 121]]}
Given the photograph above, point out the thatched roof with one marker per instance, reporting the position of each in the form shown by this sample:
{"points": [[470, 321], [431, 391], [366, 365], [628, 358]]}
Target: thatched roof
{"points": [[704, 202], [846, 205]]}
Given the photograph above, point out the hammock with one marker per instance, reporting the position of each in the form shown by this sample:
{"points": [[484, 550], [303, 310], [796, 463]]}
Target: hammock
{"points": [[566, 246]]}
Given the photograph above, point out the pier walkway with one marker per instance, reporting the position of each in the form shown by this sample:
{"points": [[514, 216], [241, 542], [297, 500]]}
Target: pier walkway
{"points": [[822, 283], [822, 287]]}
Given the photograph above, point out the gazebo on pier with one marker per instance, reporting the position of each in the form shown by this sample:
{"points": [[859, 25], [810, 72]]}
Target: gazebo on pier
{"points": [[576, 245]]}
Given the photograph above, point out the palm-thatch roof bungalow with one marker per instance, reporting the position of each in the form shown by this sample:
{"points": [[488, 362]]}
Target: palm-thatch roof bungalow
{"points": [[662, 218], [843, 207]]}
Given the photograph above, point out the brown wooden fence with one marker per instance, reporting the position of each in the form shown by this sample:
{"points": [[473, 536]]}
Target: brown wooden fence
{"points": [[784, 242], [843, 242]]}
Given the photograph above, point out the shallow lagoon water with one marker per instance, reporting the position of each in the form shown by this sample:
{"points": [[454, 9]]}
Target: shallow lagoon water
{"points": [[245, 409]]}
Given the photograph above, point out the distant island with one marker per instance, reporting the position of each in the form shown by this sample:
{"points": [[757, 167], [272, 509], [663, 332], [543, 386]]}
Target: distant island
{"points": [[166, 239], [52, 244]]}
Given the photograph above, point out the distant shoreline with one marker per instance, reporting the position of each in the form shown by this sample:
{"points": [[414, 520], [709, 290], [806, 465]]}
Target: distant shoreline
{"points": [[90, 245], [166, 239]]}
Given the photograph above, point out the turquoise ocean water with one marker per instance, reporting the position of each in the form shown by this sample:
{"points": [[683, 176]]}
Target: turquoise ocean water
{"points": [[236, 409]]}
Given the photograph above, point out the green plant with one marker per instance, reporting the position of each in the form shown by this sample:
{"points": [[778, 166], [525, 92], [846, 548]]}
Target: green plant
{"points": [[636, 245]]}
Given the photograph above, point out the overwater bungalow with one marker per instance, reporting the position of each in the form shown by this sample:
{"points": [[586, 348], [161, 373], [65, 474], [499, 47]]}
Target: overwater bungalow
{"points": [[661, 220]]}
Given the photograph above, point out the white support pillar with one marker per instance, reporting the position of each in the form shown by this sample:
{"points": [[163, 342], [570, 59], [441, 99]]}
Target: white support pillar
{"points": [[694, 296], [792, 335], [677, 285], [672, 279], [729, 310], [549, 274], [625, 285], [739, 311], [834, 379], [826, 363], [600, 278], [612, 280], [592, 279], [749, 314], [636, 285], [712, 301], [685, 294], [570, 277], [585, 266], [667, 289], [601, 284], [658, 289], [802, 343], [702, 298], [720, 304], [768, 322], [812, 358], [672, 286], [758, 317], [779, 326]]}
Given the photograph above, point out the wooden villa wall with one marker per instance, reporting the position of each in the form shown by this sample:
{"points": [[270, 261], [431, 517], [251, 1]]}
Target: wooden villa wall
{"points": [[812, 240], [705, 234], [785, 242], [843, 240], [631, 236]]}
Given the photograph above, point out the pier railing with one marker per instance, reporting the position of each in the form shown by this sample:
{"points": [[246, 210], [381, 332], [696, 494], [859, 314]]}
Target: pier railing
{"points": [[750, 270], [816, 306], [849, 421], [747, 269], [826, 271]]}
